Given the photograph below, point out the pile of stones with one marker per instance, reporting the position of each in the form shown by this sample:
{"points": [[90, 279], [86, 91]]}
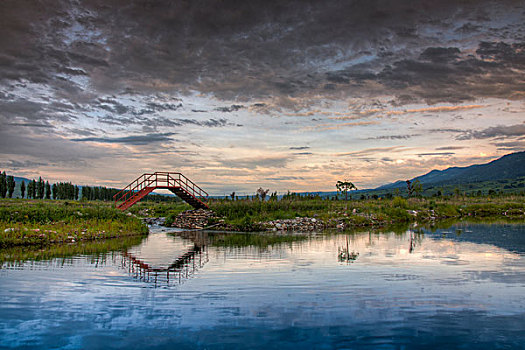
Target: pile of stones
{"points": [[297, 224], [193, 219]]}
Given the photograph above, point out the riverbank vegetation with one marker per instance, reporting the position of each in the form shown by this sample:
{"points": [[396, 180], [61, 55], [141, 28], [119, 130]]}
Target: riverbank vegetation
{"points": [[42, 222], [37, 222], [254, 214]]}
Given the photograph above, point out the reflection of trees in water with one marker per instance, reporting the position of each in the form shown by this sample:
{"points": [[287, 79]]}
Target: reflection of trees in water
{"points": [[344, 253], [415, 238], [96, 260], [65, 253]]}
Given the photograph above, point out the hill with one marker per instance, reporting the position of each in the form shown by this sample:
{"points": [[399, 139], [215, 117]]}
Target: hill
{"points": [[510, 166]]}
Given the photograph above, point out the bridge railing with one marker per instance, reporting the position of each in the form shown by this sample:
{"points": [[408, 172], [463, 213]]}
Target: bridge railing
{"points": [[159, 180]]}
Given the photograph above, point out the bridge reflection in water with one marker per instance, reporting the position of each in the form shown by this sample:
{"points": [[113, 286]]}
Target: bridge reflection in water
{"points": [[167, 259]]}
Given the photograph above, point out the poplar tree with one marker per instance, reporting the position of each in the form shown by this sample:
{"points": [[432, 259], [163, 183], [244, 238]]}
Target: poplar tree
{"points": [[3, 185], [55, 191], [22, 189], [10, 185], [41, 188], [33, 189], [29, 189], [48, 190]]}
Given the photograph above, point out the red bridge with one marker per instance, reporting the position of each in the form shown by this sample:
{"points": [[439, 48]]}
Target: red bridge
{"points": [[177, 183]]}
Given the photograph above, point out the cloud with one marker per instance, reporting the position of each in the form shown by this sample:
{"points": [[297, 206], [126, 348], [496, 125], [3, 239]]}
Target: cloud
{"points": [[152, 108], [377, 150], [135, 140], [17, 164], [394, 137], [440, 54], [436, 154], [232, 108], [323, 127], [449, 148], [514, 146], [499, 131], [300, 148], [33, 125], [257, 51], [386, 112], [255, 162], [285, 178], [114, 73]]}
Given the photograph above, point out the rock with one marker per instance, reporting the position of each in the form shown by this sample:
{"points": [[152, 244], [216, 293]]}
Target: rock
{"points": [[155, 221]]}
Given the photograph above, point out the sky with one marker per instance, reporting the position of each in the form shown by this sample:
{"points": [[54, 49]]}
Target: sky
{"points": [[237, 95]]}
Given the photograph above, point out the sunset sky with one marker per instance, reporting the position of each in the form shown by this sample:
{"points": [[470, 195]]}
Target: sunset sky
{"points": [[287, 95]]}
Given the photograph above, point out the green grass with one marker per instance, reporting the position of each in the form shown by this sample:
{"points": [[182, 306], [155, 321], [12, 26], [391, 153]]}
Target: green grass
{"points": [[41, 222]]}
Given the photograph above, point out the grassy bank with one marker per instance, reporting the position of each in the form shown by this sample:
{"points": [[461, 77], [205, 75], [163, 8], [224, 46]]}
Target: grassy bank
{"points": [[251, 215], [37, 222]]}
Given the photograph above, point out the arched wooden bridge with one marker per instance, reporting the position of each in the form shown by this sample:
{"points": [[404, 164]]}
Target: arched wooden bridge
{"points": [[177, 183]]}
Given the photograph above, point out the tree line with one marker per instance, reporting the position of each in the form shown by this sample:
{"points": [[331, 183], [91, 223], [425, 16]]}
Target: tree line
{"points": [[41, 189]]}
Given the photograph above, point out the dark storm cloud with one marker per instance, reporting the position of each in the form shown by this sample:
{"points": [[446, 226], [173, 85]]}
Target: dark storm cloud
{"points": [[264, 49], [135, 140], [499, 131], [440, 54]]}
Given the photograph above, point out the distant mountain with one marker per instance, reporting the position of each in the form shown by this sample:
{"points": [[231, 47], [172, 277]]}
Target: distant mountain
{"points": [[20, 179], [510, 166]]}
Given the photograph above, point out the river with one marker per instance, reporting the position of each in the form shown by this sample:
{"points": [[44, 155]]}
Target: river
{"points": [[458, 287]]}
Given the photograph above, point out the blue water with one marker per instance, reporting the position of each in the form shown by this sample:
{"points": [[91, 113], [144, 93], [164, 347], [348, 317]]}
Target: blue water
{"points": [[461, 287]]}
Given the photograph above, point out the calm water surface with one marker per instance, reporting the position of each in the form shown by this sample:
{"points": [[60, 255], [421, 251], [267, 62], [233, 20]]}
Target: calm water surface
{"points": [[461, 287]]}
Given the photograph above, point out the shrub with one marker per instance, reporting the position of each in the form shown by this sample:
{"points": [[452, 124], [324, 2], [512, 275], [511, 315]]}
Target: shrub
{"points": [[399, 202]]}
